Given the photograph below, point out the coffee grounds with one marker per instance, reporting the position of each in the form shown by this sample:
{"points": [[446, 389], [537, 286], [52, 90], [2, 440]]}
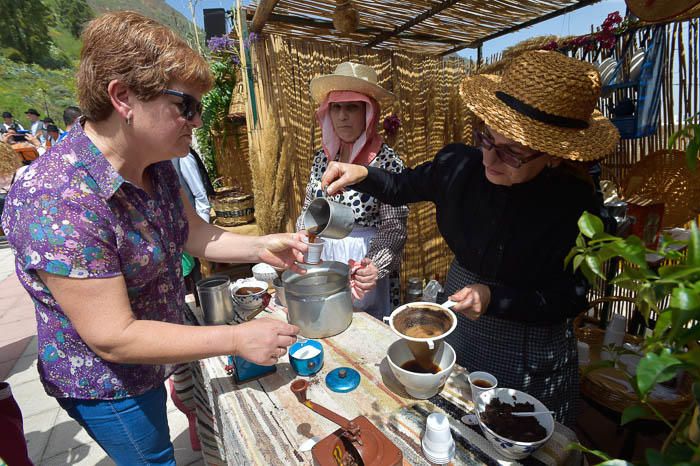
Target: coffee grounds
{"points": [[497, 417]]}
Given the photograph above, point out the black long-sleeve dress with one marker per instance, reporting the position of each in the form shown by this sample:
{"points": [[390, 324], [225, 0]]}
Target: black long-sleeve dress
{"points": [[513, 239]]}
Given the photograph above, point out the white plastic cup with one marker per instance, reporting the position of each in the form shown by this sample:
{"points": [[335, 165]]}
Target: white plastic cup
{"points": [[438, 444], [313, 254], [478, 390], [584, 353], [614, 334]]}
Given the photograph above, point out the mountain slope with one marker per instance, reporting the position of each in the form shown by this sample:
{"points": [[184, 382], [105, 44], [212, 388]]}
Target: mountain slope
{"points": [[156, 9]]}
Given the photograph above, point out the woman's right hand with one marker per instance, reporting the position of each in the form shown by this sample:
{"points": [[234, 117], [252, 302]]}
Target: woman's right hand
{"points": [[263, 341], [339, 175]]}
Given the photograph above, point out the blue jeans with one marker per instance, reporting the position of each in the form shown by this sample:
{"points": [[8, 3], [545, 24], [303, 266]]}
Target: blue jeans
{"points": [[132, 431]]}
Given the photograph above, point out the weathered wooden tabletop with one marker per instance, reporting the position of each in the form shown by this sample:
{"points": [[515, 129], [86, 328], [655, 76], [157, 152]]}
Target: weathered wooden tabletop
{"points": [[262, 423]]}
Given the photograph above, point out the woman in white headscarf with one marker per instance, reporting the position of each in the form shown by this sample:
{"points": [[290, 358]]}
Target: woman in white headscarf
{"points": [[348, 115]]}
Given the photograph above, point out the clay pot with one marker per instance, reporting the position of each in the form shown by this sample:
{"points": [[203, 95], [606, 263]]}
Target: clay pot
{"points": [[345, 17]]}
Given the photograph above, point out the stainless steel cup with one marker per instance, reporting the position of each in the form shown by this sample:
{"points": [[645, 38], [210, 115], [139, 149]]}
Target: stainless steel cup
{"points": [[334, 220], [215, 299]]}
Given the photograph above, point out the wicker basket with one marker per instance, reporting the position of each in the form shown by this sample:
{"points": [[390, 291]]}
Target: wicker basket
{"points": [[597, 384], [233, 208]]}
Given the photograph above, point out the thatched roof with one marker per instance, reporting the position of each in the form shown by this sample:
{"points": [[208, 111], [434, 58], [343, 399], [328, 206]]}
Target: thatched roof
{"points": [[425, 26]]}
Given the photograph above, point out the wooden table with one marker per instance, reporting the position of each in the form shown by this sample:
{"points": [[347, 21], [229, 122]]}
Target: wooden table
{"points": [[261, 422]]}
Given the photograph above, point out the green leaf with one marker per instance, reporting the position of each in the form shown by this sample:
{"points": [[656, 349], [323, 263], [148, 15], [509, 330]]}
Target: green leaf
{"points": [[615, 463], [674, 273], [663, 322], [596, 267], [635, 412], [598, 453], [655, 368], [685, 299], [632, 250], [606, 253], [694, 246], [590, 225], [570, 256], [581, 241], [588, 273], [577, 261]]}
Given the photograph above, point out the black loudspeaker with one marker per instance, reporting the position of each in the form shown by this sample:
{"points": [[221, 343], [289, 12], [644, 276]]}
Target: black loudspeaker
{"points": [[214, 22]]}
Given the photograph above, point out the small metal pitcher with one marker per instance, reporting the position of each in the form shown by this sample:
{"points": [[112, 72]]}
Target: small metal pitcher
{"points": [[215, 299], [330, 219]]}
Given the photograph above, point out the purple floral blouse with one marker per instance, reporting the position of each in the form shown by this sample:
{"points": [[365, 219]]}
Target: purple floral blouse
{"points": [[72, 214]]}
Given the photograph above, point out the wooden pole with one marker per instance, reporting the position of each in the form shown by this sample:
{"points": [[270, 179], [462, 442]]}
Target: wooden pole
{"points": [[262, 13]]}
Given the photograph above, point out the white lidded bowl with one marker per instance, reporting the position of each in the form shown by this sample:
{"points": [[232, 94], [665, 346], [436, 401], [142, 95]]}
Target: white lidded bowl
{"points": [[264, 272], [509, 448]]}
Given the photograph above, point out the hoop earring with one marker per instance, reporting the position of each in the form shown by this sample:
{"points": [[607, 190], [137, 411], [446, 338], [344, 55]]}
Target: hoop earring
{"points": [[128, 120]]}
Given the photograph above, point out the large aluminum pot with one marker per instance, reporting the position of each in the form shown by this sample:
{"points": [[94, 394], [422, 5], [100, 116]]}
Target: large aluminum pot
{"points": [[319, 302], [215, 299]]}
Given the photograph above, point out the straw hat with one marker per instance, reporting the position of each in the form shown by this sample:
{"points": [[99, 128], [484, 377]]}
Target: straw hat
{"points": [[545, 101], [349, 76], [663, 10]]}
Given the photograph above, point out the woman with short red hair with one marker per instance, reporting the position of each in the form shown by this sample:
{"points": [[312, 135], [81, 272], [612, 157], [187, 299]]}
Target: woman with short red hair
{"points": [[98, 226]]}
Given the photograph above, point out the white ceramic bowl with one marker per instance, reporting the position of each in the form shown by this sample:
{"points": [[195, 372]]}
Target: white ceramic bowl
{"points": [[264, 272], [420, 386], [250, 302], [279, 291], [511, 448]]}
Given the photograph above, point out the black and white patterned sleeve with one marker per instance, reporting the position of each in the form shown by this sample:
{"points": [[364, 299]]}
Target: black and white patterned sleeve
{"points": [[386, 248], [314, 178]]}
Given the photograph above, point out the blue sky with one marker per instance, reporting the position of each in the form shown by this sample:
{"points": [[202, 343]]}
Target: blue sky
{"points": [[576, 23]]}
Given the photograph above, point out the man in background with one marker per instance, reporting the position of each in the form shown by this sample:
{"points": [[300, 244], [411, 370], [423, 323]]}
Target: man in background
{"points": [[70, 116], [37, 127], [9, 123]]}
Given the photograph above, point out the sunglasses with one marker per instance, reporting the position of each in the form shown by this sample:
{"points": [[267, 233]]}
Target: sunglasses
{"points": [[505, 155], [189, 107]]}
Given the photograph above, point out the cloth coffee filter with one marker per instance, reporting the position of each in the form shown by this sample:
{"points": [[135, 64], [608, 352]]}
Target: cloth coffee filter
{"points": [[422, 322], [545, 101]]}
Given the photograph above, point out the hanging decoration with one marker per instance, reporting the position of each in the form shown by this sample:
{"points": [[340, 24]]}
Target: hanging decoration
{"points": [[345, 17]]}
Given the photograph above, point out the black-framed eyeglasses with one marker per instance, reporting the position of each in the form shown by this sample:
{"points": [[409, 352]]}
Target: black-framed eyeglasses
{"points": [[189, 107], [504, 154]]}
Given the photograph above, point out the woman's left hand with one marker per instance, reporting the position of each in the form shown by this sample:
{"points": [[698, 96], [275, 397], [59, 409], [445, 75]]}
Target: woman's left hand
{"points": [[472, 301], [363, 277], [283, 250]]}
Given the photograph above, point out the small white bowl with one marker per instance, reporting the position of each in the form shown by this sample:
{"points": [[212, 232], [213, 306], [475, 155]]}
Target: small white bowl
{"points": [[264, 272], [511, 448], [419, 385]]}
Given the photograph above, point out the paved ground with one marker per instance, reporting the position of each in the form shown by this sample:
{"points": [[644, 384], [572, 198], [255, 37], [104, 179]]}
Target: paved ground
{"points": [[53, 438]]}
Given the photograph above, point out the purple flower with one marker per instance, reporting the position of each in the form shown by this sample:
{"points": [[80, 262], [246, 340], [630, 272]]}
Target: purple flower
{"points": [[220, 44], [391, 124]]}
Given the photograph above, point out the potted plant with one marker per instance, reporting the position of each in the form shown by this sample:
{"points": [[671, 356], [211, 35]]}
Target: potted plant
{"points": [[673, 344]]}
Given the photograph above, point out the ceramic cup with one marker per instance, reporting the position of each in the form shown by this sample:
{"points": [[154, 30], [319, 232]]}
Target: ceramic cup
{"points": [[313, 254], [481, 382], [438, 444]]}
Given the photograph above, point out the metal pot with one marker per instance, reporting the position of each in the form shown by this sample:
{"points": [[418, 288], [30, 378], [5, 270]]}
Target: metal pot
{"points": [[319, 302], [215, 299], [330, 219]]}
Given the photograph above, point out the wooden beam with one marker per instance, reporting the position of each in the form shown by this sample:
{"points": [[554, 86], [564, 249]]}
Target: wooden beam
{"points": [[325, 24], [517, 27], [262, 13], [409, 24]]}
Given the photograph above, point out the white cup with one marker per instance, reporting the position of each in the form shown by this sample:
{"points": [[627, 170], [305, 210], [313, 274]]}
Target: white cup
{"points": [[438, 444], [313, 254], [476, 380], [584, 353]]}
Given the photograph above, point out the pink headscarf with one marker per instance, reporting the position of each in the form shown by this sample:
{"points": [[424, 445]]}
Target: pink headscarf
{"points": [[365, 148]]}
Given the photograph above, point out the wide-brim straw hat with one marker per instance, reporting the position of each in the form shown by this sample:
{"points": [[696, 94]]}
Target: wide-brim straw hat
{"points": [[545, 101], [350, 76], [664, 10]]}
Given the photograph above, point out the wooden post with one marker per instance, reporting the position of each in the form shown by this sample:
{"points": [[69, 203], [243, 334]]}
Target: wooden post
{"points": [[246, 68], [262, 13], [479, 56]]}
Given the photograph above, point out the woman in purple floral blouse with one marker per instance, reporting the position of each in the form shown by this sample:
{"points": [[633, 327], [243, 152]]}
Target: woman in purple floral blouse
{"points": [[98, 225]]}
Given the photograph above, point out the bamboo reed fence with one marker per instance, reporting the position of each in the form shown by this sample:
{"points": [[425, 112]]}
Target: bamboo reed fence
{"points": [[428, 104], [432, 115]]}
